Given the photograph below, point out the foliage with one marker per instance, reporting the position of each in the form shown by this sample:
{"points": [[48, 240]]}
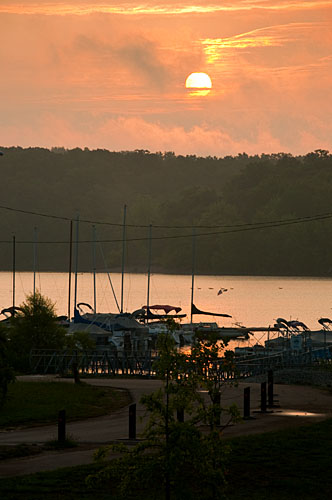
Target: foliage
{"points": [[79, 342], [211, 363], [281, 465], [170, 190], [174, 449], [34, 327], [6, 372]]}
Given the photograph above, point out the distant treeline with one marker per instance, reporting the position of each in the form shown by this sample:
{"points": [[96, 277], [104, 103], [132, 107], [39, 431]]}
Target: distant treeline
{"points": [[163, 189]]}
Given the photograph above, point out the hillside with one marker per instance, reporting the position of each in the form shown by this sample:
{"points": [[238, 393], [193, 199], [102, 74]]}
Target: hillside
{"points": [[167, 190]]}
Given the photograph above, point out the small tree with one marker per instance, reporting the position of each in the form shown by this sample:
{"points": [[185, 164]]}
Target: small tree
{"points": [[177, 456], [211, 365], [34, 327], [76, 343]]}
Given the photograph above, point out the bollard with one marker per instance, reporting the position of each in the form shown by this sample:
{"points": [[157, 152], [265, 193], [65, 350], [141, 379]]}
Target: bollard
{"points": [[270, 388], [132, 421], [246, 403], [216, 409], [62, 426], [263, 397], [180, 415]]}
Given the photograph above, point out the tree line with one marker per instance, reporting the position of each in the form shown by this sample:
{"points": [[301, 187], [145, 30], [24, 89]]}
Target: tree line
{"points": [[164, 189]]}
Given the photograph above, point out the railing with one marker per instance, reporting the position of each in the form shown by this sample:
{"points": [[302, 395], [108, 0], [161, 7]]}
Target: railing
{"points": [[92, 362], [256, 365], [107, 363]]}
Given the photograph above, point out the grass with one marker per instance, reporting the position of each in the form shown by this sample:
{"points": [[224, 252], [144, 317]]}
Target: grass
{"points": [[274, 466], [283, 465], [64, 484], [19, 450], [34, 403], [54, 444], [27, 450]]}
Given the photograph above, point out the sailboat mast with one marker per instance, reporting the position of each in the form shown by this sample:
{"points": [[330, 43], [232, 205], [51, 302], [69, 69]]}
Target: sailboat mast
{"points": [[193, 273], [94, 268], [70, 262], [14, 270], [109, 277], [123, 253], [149, 273], [76, 260], [34, 259]]}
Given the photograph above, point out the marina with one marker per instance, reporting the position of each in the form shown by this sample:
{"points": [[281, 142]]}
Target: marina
{"points": [[252, 304]]}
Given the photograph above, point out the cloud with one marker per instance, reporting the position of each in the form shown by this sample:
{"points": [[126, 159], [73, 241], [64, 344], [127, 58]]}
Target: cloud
{"points": [[269, 36], [139, 54], [123, 133], [132, 8]]}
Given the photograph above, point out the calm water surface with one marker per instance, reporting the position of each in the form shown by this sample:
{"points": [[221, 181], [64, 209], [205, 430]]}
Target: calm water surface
{"points": [[251, 301]]}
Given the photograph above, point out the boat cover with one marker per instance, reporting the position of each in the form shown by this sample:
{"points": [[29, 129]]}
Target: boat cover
{"points": [[194, 310], [165, 308]]}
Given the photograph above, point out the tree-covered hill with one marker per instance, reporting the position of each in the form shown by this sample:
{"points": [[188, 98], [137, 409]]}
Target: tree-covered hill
{"points": [[163, 189]]}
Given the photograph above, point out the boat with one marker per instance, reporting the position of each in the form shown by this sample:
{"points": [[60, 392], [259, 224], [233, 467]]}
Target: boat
{"points": [[116, 332]]}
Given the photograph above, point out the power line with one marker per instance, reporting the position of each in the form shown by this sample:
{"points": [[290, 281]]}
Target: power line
{"points": [[117, 224], [211, 233]]}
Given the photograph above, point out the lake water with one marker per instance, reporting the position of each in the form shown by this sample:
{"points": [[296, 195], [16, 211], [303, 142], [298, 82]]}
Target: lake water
{"points": [[251, 301]]}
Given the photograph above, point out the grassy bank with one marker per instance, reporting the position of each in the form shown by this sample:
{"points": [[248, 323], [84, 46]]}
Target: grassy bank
{"points": [[32, 403], [276, 466]]}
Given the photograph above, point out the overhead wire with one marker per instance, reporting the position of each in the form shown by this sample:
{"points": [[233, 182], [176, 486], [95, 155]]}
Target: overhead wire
{"points": [[326, 215], [251, 227]]}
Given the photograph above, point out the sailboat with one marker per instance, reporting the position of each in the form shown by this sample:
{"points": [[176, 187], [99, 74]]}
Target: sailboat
{"points": [[224, 333], [117, 332]]}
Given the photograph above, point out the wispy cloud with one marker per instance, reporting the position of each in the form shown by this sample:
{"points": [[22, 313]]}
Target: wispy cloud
{"points": [[82, 7], [272, 36], [139, 54]]}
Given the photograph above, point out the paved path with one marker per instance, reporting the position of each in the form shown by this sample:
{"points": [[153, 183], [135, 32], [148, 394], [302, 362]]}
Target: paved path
{"points": [[299, 405]]}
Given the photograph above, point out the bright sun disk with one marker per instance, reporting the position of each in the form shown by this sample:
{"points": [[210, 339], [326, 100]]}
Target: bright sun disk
{"points": [[198, 81]]}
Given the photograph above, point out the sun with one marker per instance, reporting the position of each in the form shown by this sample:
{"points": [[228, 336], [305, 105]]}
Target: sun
{"points": [[198, 81], [198, 84]]}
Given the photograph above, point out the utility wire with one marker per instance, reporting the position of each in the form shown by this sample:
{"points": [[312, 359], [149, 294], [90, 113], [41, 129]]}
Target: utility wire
{"points": [[211, 233], [118, 224]]}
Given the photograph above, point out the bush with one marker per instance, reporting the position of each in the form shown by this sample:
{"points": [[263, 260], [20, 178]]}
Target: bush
{"points": [[34, 327]]}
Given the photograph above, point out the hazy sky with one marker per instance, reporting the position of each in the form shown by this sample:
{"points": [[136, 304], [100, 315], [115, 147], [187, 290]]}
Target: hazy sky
{"points": [[111, 74]]}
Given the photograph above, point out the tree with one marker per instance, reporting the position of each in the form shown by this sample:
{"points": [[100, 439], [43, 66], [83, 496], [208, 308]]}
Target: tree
{"points": [[212, 370], [76, 343], [34, 327], [174, 450]]}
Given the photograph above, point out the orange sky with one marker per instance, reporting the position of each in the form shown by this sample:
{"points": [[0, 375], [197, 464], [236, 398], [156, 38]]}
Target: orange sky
{"points": [[111, 74]]}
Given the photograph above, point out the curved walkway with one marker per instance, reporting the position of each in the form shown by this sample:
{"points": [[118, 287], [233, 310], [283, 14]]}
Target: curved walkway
{"points": [[298, 405]]}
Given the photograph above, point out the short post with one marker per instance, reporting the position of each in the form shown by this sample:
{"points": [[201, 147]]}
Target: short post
{"points": [[75, 373], [217, 409], [132, 421], [270, 388], [263, 397], [62, 426], [180, 415], [246, 403]]}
